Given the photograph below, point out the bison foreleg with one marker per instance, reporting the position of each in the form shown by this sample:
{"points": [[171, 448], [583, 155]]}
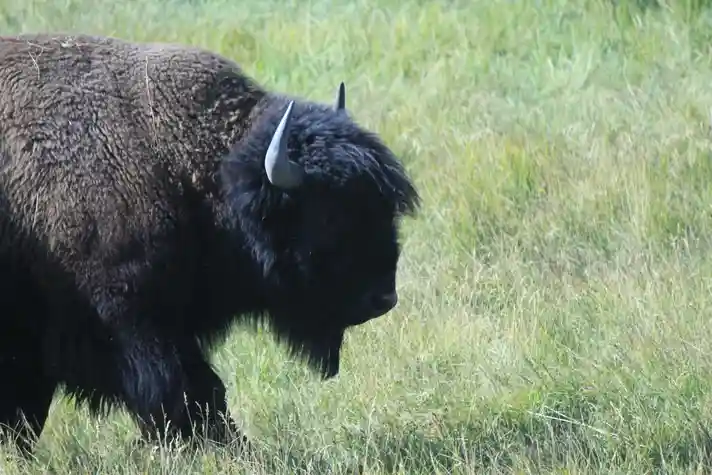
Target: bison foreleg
{"points": [[159, 372], [206, 402], [25, 396], [171, 390]]}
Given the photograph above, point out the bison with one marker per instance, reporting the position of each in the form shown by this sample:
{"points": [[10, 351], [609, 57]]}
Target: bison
{"points": [[153, 194]]}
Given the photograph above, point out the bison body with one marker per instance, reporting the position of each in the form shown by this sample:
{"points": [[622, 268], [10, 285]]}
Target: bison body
{"points": [[151, 194]]}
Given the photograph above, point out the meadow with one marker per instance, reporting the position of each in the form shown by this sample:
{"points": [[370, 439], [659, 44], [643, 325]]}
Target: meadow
{"points": [[556, 287]]}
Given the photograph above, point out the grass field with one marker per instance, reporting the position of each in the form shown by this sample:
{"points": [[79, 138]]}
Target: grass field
{"points": [[556, 289]]}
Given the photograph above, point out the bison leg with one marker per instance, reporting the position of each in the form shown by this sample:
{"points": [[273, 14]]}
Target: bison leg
{"points": [[171, 390], [25, 397], [26, 388], [206, 399], [159, 372]]}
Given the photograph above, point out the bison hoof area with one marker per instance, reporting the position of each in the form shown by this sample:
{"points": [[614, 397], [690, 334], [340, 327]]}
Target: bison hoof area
{"points": [[237, 443], [221, 435]]}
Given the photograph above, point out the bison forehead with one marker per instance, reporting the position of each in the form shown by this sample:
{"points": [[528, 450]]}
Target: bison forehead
{"points": [[328, 144]]}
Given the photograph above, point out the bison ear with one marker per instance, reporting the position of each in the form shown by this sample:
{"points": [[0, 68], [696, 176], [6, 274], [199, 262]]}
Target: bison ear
{"points": [[340, 98], [282, 172]]}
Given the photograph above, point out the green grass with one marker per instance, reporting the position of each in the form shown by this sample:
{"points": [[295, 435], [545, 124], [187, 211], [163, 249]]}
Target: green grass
{"points": [[556, 289]]}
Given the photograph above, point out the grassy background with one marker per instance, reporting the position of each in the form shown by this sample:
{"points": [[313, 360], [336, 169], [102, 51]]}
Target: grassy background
{"points": [[555, 311]]}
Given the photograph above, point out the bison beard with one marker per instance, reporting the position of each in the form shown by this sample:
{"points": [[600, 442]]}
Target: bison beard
{"points": [[150, 195], [322, 351]]}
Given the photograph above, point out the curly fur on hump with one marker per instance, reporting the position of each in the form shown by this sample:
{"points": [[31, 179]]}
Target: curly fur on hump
{"points": [[137, 222]]}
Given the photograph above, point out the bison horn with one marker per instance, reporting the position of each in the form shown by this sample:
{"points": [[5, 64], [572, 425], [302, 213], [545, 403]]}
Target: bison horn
{"points": [[281, 172], [341, 98]]}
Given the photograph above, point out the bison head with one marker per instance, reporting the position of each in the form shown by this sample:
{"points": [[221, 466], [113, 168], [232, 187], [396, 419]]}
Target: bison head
{"points": [[318, 200]]}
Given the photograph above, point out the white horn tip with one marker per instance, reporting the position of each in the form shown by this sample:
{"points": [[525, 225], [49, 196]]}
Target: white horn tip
{"points": [[280, 171]]}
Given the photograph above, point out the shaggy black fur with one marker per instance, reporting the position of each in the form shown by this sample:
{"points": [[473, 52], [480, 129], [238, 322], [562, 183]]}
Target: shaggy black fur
{"points": [[137, 223]]}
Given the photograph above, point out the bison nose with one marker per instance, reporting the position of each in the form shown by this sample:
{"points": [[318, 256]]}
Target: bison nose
{"points": [[374, 306], [383, 303]]}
